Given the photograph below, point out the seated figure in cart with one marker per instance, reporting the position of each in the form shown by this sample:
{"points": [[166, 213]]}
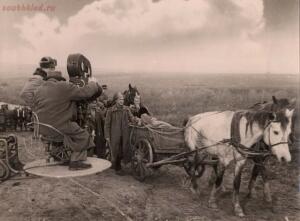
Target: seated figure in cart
{"points": [[152, 121]]}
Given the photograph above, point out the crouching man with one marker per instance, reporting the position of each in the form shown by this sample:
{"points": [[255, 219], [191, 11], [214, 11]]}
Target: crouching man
{"points": [[54, 103]]}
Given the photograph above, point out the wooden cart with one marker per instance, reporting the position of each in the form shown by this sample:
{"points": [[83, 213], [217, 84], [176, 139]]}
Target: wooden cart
{"points": [[153, 147]]}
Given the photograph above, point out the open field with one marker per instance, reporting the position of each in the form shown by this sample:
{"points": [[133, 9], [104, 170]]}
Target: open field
{"points": [[172, 98], [166, 194]]}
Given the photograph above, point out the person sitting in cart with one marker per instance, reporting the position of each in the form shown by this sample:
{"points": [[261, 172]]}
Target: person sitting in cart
{"points": [[147, 120], [116, 131]]}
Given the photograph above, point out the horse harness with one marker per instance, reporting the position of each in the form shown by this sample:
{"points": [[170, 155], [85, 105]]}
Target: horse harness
{"points": [[261, 149]]}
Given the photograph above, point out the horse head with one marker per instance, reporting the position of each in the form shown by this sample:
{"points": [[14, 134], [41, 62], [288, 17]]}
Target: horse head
{"points": [[132, 96], [277, 106], [276, 134]]}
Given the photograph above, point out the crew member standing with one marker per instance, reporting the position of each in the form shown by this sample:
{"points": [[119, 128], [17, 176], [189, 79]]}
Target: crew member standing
{"points": [[116, 131]]}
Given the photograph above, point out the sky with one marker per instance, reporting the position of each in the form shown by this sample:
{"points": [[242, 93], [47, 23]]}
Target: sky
{"points": [[176, 36]]}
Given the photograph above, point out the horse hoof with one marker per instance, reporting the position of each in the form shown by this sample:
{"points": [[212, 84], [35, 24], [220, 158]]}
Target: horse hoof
{"points": [[223, 189], [268, 200], [252, 195], [195, 191], [212, 205], [239, 212]]}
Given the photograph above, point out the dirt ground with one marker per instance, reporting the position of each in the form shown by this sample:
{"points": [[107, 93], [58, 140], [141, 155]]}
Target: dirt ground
{"points": [[165, 195]]}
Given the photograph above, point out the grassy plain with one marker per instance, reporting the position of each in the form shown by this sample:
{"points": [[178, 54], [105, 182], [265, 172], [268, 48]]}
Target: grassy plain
{"points": [[173, 97]]}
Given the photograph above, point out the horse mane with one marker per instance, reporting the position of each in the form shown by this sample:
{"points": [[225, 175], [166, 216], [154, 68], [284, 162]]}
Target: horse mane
{"points": [[271, 106], [263, 111], [262, 117]]}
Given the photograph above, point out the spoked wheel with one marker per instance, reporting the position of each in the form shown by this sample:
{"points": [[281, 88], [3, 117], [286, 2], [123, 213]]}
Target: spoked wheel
{"points": [[4, 171], [61, 153], [142, 154]]}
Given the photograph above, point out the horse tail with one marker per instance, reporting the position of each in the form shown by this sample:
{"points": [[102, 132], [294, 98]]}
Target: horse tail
{"points": [[185, 121]]}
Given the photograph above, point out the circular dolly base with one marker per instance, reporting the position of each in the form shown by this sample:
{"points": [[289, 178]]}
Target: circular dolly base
{"points": [[55, 170]]}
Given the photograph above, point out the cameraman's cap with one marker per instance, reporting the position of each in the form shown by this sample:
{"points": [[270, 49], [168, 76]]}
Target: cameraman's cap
{"points": [[48, 62]]}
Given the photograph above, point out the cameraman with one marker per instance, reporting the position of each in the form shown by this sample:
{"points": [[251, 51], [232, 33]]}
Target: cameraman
{"points": [[47, 64], [54, 103]]}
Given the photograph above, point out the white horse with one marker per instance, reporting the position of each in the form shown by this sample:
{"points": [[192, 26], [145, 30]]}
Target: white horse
{"points": [[212, 128]]}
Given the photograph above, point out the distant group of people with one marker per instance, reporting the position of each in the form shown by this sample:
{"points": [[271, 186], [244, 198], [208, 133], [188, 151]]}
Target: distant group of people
{"points": [[15, 118], [54, 99]]}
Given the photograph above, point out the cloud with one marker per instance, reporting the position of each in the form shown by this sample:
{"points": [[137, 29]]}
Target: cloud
{"points": [[137, 34], [145, 19]]}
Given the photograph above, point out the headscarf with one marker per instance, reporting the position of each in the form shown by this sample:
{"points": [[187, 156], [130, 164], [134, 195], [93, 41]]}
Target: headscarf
{"points": [[116, 96]]}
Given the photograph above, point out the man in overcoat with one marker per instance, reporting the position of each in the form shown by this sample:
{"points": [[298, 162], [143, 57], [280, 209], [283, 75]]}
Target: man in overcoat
{"points": [[116, 131], [54, 104]]}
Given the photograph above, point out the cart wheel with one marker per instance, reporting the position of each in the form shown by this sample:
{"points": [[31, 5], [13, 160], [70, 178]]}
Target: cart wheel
{"points": [[4, 171], [142, 154]]}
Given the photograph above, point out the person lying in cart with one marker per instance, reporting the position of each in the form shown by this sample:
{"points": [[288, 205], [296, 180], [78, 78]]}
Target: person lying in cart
{"points": [[116, 131], [149, 121]]}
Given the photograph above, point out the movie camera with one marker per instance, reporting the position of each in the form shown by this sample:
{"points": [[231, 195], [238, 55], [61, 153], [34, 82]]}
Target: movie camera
{"points": [[79, 71]]}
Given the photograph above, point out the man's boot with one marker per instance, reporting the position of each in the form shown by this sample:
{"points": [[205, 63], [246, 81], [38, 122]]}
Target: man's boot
{"points": [[79, 165]]}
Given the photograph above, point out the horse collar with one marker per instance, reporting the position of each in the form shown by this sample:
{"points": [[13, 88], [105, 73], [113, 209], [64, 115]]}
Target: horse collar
{"points": [[235, 135], [235, 139]]}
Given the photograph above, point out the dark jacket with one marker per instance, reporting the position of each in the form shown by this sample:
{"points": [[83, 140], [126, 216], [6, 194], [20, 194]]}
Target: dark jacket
{"points": [[55, 105], [27, 93], [116, 129]]}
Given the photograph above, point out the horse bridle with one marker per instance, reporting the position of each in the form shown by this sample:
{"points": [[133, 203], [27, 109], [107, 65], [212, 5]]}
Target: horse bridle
{"points": [[252, 153], [269, 128]]}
